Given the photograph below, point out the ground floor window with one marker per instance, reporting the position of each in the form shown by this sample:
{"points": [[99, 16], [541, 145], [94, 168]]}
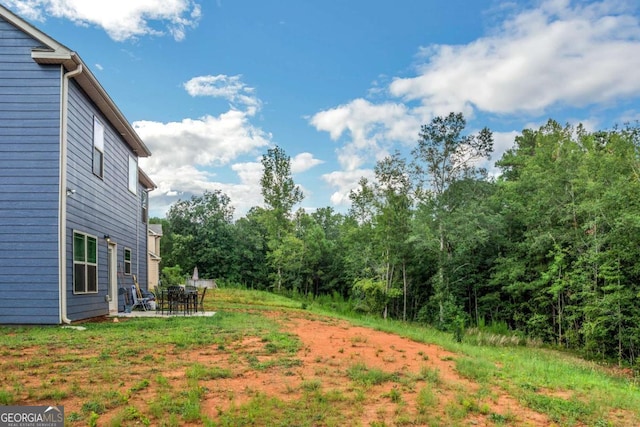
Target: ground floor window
{"points": [[127, 261], [85, 263]]}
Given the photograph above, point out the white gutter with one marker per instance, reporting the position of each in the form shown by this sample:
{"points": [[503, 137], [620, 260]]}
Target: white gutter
{"points": [[62, 208]]}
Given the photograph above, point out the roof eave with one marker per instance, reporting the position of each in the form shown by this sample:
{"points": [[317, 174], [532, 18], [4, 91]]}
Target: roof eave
{"points": [[98, 95], [144, 179]]}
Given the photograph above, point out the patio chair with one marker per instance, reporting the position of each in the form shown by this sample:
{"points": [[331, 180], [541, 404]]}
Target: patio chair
{"points": [[176, 299], [161, 299], [191, 296], [140, 302], [125, 298]]}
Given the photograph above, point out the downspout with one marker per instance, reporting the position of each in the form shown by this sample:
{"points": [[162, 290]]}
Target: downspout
{"points": [[137, 215], [62, 208]]}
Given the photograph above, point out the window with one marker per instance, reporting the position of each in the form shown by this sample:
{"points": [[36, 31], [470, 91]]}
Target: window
{"points": [[98, 148], [85, 263], [133, 175], [127, 261], [145, 207]]}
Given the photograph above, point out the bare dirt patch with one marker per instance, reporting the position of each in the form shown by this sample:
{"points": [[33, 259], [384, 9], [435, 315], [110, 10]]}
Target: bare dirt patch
{"points": [[341, 345]]}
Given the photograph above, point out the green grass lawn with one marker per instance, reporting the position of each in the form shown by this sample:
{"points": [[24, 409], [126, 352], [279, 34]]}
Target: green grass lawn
{"points": [[133, 372]]}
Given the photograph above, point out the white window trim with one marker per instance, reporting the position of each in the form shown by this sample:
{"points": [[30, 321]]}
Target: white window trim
{"points": [[133, 175], [85, 263], [98, 144], [125, 262]]}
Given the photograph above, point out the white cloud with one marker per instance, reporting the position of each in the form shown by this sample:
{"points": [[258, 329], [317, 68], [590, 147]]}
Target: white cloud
{"points": [[230, 88], [184, 151], [345, 181], [554, 55], [372, 129], [207, 141], [121, 19], [249, 173], [303, 162]]}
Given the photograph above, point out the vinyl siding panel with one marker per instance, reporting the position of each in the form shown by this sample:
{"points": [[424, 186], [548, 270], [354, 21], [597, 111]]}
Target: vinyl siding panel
{"points": [[101, 206], [29, 170]]}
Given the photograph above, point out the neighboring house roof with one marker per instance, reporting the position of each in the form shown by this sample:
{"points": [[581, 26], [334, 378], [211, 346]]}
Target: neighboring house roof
{"points": [[155, 229], [52, 52]]}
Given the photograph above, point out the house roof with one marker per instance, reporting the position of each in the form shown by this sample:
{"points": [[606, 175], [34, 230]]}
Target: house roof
{"points": [[155, 229], [53, 52]]}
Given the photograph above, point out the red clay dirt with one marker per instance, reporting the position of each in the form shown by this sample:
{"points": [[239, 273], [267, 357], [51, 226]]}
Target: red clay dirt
{"points": [[330, 347]]}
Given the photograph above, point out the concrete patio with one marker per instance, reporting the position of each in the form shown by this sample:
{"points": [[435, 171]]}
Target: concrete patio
{"points": [[157, 313]]}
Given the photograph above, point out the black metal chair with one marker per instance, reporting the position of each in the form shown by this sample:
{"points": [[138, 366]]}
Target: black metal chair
{"points": [[161, 299], [201, 302], [176, 299], [191, 296]]}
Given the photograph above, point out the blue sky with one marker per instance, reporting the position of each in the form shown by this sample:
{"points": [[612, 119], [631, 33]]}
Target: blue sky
{"points": [[210, 85]]}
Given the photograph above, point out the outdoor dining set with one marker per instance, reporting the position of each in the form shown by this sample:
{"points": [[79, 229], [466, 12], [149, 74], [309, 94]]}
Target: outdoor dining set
{"points": [[170, 300]]}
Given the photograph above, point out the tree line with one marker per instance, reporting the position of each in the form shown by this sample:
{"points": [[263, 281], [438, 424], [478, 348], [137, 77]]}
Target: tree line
{"points": [[549, 248]]}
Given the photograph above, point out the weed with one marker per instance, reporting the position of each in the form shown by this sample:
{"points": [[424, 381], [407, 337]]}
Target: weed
{"points": [[93, 419], [500, 419], [74, 416], [200, 372], [289, 389], [130, 413], [50, 394], [162, 381], [311, 385], [271, 348], [93, 407], [395, 395], [361, 374], [475, 369], [311, 409], [560, 410], [388, 359], [358, 339], [7, 398], [430, 375], [426, 400], [141, 385]]}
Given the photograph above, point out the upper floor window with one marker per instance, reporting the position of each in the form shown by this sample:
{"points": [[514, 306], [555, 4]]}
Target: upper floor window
{"points": [[98, 148], [145, 207], [133, 175], [85, 263]]}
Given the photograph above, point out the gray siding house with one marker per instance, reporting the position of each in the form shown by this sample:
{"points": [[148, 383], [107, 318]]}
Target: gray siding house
{"points": [[73, 202]]}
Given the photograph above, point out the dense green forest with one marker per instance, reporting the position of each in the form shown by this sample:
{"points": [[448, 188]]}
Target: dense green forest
{"points": [[549, 249]]}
